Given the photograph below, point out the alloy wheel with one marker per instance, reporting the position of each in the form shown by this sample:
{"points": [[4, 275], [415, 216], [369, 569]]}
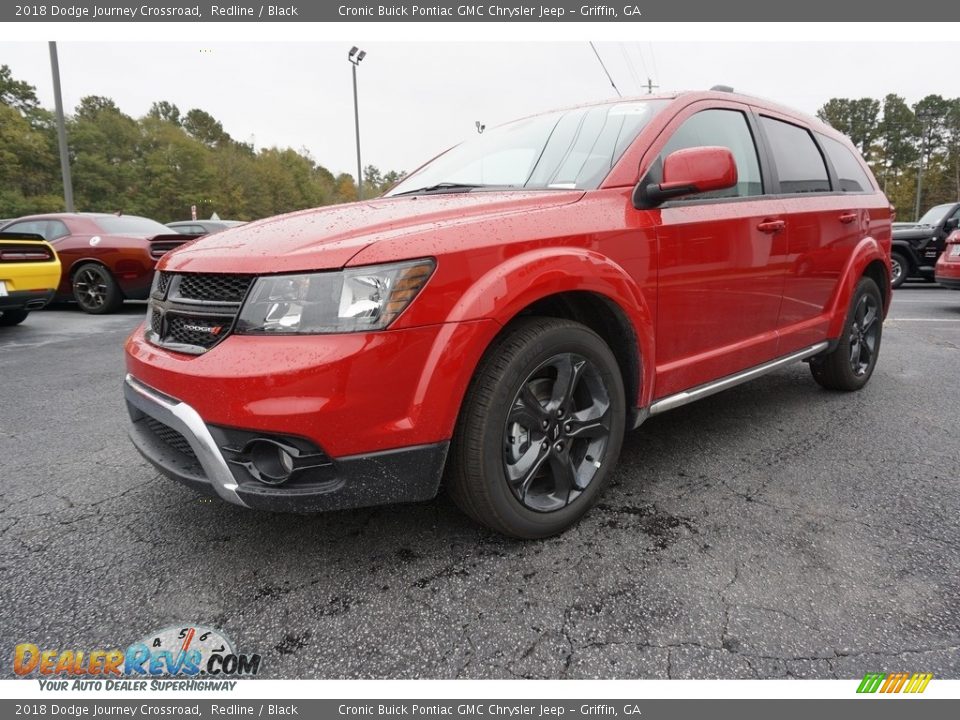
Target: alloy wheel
{"points": [[864, 332], [90, 288], [896, 270], [556, 433]]}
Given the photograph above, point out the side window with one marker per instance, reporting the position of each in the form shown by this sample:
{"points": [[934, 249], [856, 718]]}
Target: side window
{"points": [[849, 172], [723, 128], [56, 230], [800, 165]]}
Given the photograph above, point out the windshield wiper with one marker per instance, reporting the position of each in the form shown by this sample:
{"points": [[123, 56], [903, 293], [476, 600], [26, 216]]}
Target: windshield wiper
{"points": [[448, 187]]}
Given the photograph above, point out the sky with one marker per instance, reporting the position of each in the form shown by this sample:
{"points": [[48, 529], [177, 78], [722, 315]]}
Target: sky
{"points": [[417, 98]]}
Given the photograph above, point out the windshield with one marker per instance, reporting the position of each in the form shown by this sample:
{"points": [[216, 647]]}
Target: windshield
{"points": [[934, 215], [570, 149], [130, 225]]}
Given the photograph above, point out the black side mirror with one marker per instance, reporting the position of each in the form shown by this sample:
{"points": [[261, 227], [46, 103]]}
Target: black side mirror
{"points": [[951, 224]]}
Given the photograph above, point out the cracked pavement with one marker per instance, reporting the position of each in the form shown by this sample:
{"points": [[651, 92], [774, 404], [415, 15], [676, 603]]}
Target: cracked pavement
{"points": [[774, 530]]}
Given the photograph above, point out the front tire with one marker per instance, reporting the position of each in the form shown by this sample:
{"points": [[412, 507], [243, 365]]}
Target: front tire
{"points": [[95, 290], [899, 269], [8, 318], [540, 429], [851, 363]]}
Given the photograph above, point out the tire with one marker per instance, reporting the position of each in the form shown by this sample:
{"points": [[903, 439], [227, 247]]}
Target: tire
{"points": [[95, 290], [851, 363], [9, 318], [528, 458], [899, 269]]}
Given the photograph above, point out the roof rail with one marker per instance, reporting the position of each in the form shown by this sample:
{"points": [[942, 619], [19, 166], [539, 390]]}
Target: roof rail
{"points": [[722, 88]]}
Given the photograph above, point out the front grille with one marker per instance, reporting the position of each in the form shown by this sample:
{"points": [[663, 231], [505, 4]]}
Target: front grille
{"points": [[171, 437], [192, 312], [200, 331], [215, 287], [163, 282]]}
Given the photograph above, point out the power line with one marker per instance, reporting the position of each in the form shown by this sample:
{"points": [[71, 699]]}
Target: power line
{"points": [[633, 72], [600, 60], [653, 59]]}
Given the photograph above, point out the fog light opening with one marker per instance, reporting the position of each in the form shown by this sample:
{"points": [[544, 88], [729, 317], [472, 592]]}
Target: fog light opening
{"points": [[272, 461]]}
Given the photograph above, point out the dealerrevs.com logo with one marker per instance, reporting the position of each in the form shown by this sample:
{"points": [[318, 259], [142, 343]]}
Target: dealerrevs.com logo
{"points": [[187, 657]]}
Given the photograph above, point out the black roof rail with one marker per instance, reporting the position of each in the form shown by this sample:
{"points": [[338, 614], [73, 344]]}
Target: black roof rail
{"points": [[722, 88]]}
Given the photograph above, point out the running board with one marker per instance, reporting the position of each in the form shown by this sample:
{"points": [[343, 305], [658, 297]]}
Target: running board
{"points": [[688, 396]]}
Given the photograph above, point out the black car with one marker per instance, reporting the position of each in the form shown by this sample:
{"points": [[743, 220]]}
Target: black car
{"points": [[202, 227], [916, 246]]}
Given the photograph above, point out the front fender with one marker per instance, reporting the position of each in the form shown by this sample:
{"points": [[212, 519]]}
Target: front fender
{"points": [[867, 251], [506, 290]]}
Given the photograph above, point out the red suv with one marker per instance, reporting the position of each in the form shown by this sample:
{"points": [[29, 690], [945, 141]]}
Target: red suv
{"points": [[506, 312]]}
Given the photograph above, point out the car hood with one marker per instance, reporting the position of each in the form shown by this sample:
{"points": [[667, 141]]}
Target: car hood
{"points": [[327, 238], [912, 231]]}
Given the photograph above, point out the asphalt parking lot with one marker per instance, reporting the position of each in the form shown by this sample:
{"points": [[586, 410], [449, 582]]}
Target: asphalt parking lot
{"points": [[773, 530]]}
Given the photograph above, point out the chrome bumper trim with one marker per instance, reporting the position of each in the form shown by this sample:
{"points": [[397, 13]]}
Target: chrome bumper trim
{"points": [[186, 421]]}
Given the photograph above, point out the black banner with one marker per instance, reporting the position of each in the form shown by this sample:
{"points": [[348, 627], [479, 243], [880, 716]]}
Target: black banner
{"points": [[511, 11]]}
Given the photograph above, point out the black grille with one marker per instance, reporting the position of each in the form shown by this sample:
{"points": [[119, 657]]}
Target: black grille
{"points": [[192, 312], [171, 437], [203, 332], [163, 282], [214, 287]]}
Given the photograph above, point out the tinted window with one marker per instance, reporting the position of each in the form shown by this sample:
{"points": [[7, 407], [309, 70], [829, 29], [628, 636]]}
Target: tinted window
{"points": [[723, 128], [799, 163], [34, 227], [850, 174], [130, 225], [56, 230]]}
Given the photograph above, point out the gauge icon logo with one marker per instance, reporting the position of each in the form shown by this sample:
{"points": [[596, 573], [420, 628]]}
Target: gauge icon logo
{"points": [[188, 650]]}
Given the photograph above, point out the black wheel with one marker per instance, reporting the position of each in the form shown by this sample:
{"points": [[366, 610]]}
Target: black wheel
{"points": [[540, 429], [850, 365], [95, 290], [899, 269], [13, 317]]}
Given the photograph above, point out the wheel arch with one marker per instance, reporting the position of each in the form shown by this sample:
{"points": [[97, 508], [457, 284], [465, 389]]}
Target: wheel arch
{"points": [[867, 259]]}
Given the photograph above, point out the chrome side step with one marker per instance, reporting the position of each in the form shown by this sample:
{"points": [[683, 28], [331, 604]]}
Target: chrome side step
{"points": [[688, 396]]}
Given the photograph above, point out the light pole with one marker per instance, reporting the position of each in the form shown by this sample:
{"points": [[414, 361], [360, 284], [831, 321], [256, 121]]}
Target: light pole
{"points": [[355, 56], [924, 116], [61, 130]]}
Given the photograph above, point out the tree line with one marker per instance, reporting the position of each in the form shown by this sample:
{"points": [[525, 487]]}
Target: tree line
{"points": [[157, 165], [904, 144]]}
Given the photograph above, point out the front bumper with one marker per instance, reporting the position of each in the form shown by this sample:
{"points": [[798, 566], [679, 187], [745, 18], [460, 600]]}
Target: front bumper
{"points": [[948, 269], [173, 437]]}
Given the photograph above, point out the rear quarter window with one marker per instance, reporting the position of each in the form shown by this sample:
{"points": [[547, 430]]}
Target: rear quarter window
{"points": [[800, 166], [850, 173]]}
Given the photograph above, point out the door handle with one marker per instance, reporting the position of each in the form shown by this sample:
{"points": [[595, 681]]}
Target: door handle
{"points": [[771, 226], [847, 218]]}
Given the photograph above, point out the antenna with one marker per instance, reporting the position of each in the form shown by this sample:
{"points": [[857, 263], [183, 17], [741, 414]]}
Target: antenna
{"points": [[600, 60]]}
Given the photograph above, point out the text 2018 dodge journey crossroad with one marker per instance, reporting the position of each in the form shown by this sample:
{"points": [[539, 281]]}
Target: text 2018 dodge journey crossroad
{"points": [[505, 313]]}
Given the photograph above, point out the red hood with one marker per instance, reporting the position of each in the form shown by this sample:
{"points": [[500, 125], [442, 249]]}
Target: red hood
{"points": [[326, 238]]}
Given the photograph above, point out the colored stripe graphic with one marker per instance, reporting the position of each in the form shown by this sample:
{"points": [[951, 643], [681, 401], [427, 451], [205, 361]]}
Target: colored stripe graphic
{"points": [[889, 683]]}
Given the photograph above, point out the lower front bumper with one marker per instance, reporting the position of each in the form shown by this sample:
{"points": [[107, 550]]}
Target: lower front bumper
{"points": [[951, 283], [173, 437]]}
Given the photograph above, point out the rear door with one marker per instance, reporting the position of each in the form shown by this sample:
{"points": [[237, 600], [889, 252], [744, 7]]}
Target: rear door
{"points": [[826, 217], [721, 258]]}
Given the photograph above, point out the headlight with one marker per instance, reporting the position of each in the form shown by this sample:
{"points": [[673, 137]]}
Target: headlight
{"points": [[352, 300]]}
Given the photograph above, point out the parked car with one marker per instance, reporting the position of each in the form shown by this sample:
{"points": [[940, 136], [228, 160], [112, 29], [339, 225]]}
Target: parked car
{"points": [[948, 266], [106, 258], [29, 275], [916, 246], [203, 227], [508, 310]]}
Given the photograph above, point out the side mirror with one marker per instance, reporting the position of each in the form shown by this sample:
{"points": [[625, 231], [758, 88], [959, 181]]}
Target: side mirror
{"points": [[687, 172], [951, 225]]}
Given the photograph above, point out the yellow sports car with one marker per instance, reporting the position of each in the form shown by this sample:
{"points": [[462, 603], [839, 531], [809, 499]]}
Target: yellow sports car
{"points": [[29, 275]]}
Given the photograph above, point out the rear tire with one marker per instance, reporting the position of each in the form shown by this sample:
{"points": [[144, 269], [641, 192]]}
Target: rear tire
{"points": [[540, 429], [899, 269], [851, 363], [8, 318], [95, 290]]}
